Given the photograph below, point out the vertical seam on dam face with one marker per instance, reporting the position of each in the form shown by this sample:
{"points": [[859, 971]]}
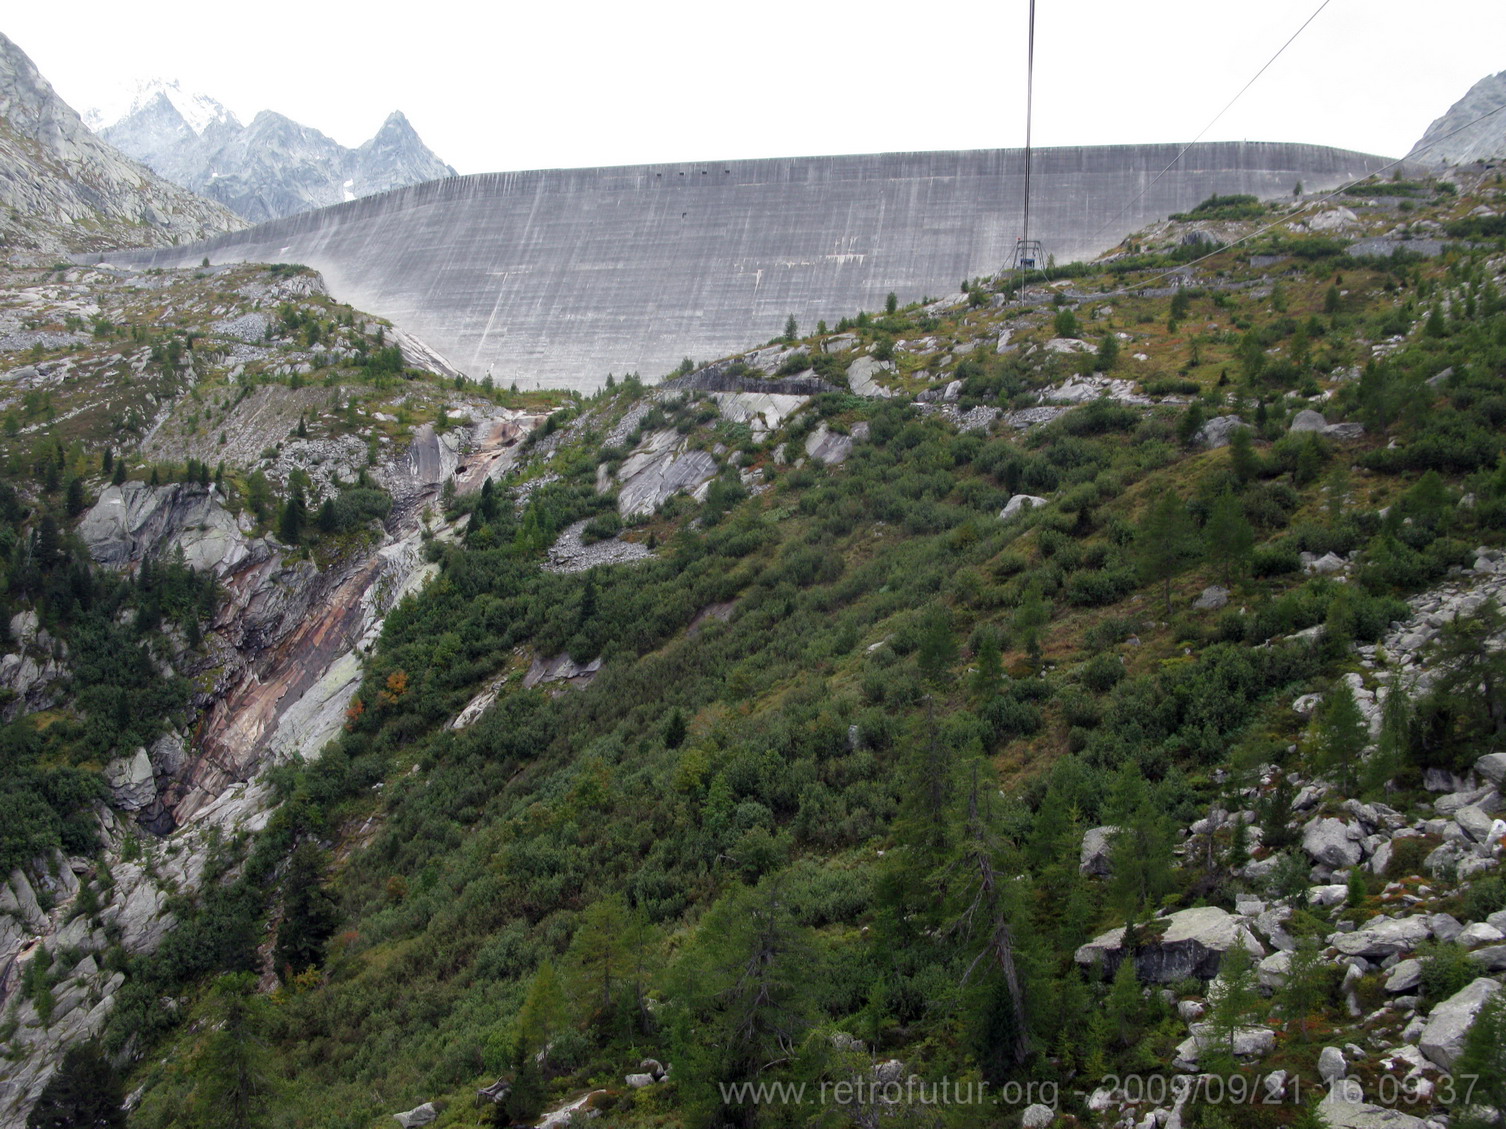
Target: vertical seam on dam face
{"points": [[557, 277]]}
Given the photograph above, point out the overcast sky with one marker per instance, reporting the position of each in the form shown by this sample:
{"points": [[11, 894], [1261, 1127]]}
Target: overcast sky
{"points": [[541, 85]]}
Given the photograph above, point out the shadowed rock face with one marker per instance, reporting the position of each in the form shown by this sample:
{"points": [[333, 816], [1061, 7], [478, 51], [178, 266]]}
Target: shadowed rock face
{"points": [[559, 277]]}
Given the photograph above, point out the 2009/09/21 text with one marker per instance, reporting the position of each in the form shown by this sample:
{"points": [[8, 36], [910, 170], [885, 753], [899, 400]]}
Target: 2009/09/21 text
{"points": [[1283, 1089]]}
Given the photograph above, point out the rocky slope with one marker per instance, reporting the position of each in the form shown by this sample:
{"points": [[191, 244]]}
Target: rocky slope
{"points": [[271, 168], [280, 655], [62, 188], [1484, 141], [761, 548]]}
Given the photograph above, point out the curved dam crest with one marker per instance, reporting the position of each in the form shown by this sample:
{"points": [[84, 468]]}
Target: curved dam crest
{"points": [[556, 277]]}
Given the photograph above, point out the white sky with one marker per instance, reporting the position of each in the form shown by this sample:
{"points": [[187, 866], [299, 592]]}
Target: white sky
{"points": [[561, 83]]}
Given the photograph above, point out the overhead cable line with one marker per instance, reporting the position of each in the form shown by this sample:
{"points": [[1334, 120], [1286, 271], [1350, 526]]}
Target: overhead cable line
{"points": [[1212, 121], [1290, 216]]}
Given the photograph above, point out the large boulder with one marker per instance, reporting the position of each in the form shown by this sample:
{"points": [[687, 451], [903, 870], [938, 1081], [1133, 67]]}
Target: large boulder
{"points": [[417, 1116], [1308, 420], [1213, 598], [1443, 1038], [1405, 976], [1248, 1042], [131, 781], [1492, 766], [1019, 503], [1333, 843], [828, 446], [1097, 843], [1188, 943], [1476, 822], [861, 377], [1382, 937], [1331, 1064], [1216, 432], [1341, 1114]]}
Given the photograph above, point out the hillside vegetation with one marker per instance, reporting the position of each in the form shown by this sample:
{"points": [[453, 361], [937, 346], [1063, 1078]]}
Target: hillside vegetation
{"points": [[809, 806]]}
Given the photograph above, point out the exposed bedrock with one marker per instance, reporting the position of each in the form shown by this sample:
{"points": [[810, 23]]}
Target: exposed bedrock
{"points": [[282, 658], [559, 277]]}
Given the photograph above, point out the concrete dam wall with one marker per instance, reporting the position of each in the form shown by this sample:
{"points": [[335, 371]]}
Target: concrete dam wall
{"points": [[556, 278]]}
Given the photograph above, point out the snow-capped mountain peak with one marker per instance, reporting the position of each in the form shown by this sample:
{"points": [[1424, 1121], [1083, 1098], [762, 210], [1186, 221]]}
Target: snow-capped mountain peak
{"points": [[198, 111]]}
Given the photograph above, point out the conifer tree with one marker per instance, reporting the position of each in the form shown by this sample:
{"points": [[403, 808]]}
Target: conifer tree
{"points": [[1229, 537], [542, 1013], [231, 1064], [1125, 1004], [1243, 460], [988, 671], [1235, 1001], [309, 913], [1140, 855], [1165, 543], [1341, 735], [938, 646], [1305, 988], [85, 1093], [1033, 614]]}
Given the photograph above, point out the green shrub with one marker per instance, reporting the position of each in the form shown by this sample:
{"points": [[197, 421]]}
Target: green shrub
{"points": [[1446, 968]]}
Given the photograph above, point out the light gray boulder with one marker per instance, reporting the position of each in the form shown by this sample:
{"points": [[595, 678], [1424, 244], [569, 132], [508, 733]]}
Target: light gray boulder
{"points": [[1037, 1116], [1382, 937], [1191, 943], [638, 1081], [1018, 503], [861, 377], [1213, 598], [1444, 926], [1455, 801], [1443, 1038], [1272, 926], [1332, 842], [1477, 824], [1331, 1064], [1216, 432], [1492, 958], [1405, 975], [135, 520], [1328, 894], [1248, 1042], [1341, 1114], [1274, 969], [1326, 565], [1492, 766], [1343, 431], [417, 1116], [1477, 934], [1097, 844], [1308, 420], [827, 446], [131, 781]]}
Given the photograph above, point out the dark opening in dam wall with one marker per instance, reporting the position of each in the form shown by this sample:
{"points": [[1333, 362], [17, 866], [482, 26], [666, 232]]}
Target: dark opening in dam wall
{"points": [[558, 277]]}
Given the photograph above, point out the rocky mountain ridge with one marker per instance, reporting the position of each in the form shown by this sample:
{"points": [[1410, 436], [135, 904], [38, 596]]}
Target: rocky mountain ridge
{"points": [[273, 167], [61, 188], [1483, 141]]}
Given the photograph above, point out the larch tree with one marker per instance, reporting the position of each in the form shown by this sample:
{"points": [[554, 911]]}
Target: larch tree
{"points": [[1165, 543]]}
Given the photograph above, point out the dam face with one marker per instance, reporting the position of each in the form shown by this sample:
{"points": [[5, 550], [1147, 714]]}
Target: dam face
{"points": [[556, 278]]}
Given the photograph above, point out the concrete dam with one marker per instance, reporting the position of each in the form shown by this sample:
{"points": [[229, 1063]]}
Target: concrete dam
{"points": [[555, 278]]}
